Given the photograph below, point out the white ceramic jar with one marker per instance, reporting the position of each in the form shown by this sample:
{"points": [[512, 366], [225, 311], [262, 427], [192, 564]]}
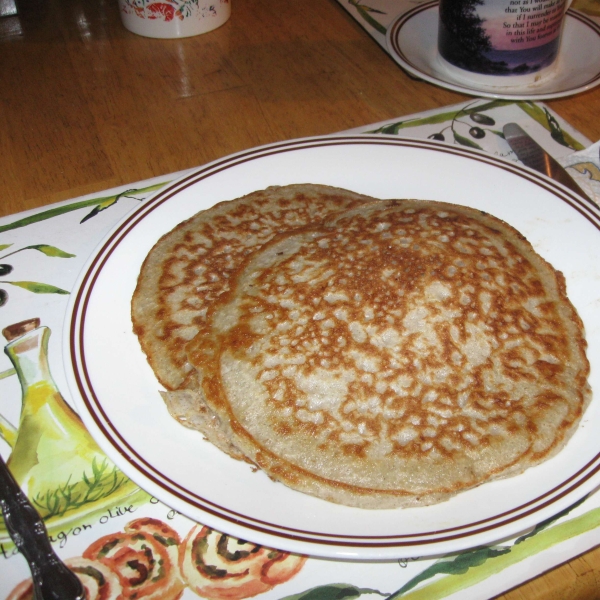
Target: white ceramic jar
{"points": [[173, 18]]}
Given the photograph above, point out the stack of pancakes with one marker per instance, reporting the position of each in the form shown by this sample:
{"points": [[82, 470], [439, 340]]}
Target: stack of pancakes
{"points": [[372, 353]]}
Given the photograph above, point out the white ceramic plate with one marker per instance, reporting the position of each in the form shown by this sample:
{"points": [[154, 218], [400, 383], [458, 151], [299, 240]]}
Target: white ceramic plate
{"points": [[412, 43], [117, 394]]}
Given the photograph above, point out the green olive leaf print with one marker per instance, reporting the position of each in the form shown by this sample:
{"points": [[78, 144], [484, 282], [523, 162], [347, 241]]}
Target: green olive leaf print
{"points": [[333, 591], [458, 565], [545, 524], [364, 12], [37, 288], [49, 250], [546, 120], [556, 132], [464, 141], [393, 128], [46, 249], [468, 568], [32, 286], [99, 203]]}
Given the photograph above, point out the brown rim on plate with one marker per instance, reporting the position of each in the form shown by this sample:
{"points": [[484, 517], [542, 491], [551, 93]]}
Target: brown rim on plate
{"points": [[174, 489]]}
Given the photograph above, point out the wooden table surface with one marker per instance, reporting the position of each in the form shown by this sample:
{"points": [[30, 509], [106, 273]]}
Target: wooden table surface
{"points": [[85, 106]]}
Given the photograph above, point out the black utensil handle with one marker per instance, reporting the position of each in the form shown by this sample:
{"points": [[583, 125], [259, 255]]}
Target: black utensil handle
{"points": [[52, 579]]}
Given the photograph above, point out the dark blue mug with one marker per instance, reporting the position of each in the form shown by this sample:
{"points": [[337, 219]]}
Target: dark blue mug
{"points": [[501, 38]]}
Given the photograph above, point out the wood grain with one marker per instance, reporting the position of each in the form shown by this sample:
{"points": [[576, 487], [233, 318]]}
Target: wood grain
{"points": [[91, 105], [86, 106]]}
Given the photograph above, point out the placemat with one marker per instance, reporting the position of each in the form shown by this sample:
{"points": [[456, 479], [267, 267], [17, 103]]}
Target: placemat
{"points": [[119, 537]]}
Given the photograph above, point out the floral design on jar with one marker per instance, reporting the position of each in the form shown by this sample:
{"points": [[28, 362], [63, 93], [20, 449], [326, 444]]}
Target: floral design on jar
{"points": [[170, 9]]}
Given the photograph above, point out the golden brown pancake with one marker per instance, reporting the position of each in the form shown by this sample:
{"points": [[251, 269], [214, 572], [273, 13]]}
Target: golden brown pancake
{"points": [[194, 264], [394, 355]]}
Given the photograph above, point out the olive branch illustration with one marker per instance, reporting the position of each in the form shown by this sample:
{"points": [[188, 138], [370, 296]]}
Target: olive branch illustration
{"points": [[365, 12], [31, 286], [99, 204], [456, 572], [483, 122]]}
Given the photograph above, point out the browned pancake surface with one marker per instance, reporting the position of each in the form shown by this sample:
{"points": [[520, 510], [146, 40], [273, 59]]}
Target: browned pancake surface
{"points": [[403, 352], [192, 266]]}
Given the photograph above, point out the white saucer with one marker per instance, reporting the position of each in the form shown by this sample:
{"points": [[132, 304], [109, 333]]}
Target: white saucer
{"points": [[412, 43]]}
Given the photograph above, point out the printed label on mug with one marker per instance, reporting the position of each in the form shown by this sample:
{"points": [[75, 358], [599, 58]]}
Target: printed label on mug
{"points": [[500, 37]]}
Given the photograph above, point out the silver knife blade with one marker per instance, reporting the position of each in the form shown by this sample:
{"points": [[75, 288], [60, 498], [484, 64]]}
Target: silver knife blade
{"points": [[533, 155]]}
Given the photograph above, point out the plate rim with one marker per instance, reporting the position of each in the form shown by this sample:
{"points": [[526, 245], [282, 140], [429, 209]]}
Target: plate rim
{"points": [[391, 546], [483, 91]]}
